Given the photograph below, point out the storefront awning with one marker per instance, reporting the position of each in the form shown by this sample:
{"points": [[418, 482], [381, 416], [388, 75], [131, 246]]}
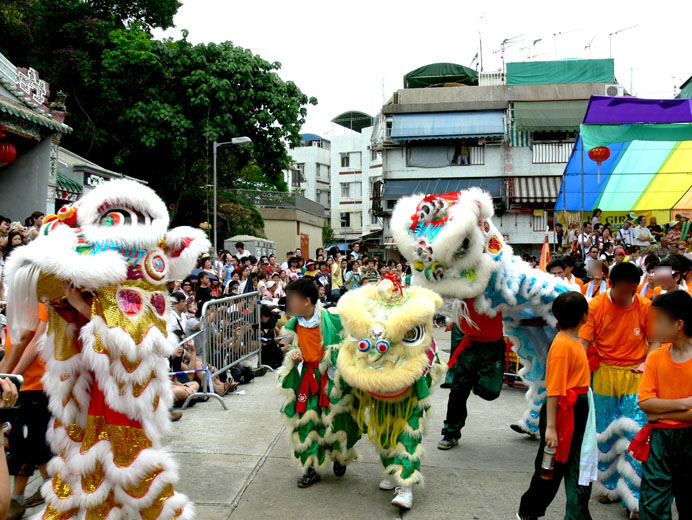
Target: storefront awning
{"points": [[67, 189], [549, 116], [448, 125], [534, 189], [394, 190]]}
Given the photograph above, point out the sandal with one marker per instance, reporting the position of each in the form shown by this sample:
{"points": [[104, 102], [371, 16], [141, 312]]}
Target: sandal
{"points": [[229, 386]]}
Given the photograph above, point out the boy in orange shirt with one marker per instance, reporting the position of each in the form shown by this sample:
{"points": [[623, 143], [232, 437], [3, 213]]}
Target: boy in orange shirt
{"points": [[664, 445], [306, 382], [564, 420], [616, 334], [28, 447]]}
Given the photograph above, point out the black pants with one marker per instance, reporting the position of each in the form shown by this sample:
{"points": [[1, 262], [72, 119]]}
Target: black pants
{"points": [[542, 492], [28, 446], [667, 475], [479, 368]]}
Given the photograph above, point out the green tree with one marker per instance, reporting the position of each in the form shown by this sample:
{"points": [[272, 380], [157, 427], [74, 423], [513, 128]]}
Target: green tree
{"points": [[327, 233], [152, 108]]}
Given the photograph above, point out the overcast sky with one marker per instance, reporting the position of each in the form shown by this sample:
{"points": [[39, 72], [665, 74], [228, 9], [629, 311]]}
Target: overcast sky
{"points": [[343, 53]]}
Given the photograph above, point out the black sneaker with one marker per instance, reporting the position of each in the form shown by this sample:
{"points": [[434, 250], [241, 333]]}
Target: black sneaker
{"points": [[447, 443], [311, 477], [36, 499], [521, 516], [339, 469]]}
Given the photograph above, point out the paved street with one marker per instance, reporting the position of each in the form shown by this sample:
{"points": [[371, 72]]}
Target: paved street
{"points": [[235, 464]]}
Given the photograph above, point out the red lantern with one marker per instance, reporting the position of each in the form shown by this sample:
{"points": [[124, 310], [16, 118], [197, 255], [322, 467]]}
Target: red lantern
{"points": [[8, 153], [598, 155]]}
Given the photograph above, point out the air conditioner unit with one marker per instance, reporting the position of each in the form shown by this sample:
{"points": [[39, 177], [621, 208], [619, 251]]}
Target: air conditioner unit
{"points": [[614, 90]]}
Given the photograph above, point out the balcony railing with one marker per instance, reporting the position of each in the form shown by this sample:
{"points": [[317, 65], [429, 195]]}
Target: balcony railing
{"points": [[551, 153], [280, 199]]}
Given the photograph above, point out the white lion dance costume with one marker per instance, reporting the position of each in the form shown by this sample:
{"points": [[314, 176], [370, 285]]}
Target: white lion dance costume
{"points": [[456, 251], [107, 377], [386, 367]]}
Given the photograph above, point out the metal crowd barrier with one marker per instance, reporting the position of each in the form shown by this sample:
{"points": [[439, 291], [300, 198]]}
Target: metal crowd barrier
{"points": [[229, 336]]}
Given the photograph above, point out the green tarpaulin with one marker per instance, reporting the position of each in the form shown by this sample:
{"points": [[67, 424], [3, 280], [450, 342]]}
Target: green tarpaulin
{"points": [[562, 71], [547, 116], [437, 74], [604, 135]]}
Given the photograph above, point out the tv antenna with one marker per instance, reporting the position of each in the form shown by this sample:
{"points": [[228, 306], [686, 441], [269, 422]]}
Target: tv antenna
{"points": [[505, 44], [588, 46], [561, 33], [531, 49], [610, 38]]}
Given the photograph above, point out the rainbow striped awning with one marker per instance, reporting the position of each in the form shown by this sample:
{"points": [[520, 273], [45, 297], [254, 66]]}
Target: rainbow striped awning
{"points": [[650, 164]]}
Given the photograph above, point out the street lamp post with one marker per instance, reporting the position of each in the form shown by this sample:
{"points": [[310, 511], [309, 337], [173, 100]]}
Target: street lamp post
{"points": [[238, 141]]}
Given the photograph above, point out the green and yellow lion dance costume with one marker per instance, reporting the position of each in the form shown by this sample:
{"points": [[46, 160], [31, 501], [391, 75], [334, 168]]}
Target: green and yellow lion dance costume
{"points": [[386, 367]]}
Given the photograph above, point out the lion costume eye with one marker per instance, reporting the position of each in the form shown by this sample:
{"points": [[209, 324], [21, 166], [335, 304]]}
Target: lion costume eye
{"points": [[123, 216], [414, 337], [364, 345]]}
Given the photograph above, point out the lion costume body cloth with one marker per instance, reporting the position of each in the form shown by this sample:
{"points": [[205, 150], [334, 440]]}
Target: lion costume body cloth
{"points": [[106, 376], [386, 367], [456, 251]]}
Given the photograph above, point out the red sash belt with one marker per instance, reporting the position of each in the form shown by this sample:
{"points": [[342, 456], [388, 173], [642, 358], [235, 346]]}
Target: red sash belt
{"points": [[457, 351], [593, 357], [641, 444], [564, 422], [309, 386], [464, 344]]}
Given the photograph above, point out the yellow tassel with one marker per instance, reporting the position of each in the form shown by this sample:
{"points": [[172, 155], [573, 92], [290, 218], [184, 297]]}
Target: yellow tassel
{"points": [[386, 420]]}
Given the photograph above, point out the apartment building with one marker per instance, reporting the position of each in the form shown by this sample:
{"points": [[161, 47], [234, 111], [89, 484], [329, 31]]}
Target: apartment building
{"points": [[510, 133], [309, 174]]}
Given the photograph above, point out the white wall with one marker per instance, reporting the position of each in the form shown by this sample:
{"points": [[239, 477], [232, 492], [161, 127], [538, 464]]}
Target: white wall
{"points": [[311, 156], [363, 172], [24, 183]]}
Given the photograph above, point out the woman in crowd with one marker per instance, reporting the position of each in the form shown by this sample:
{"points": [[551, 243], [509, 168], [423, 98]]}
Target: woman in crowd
{"points": [[245, 284], [262, 278], [351, 276], [607, 253]]}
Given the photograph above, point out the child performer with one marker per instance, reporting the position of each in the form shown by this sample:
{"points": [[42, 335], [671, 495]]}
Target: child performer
{"points": [[567, 422], [304, 378], [665, 443], [618, 331]]}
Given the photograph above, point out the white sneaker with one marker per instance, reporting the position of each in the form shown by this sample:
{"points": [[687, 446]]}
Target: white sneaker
{"points": [[387, 484], [403, 498]]}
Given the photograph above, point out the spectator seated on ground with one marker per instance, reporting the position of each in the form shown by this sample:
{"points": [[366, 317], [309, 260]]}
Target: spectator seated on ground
{"points": [[272, 354]]}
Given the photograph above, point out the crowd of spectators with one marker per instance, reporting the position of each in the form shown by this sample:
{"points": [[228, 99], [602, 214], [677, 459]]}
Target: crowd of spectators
{"points": [[661, 253], [334, 272]]}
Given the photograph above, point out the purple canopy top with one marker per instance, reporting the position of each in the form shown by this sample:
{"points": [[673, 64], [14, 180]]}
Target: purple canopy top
{"points": [[627, 110]]}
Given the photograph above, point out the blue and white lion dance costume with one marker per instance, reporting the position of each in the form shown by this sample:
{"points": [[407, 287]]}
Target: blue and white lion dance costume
{"points": [[456, 250]]}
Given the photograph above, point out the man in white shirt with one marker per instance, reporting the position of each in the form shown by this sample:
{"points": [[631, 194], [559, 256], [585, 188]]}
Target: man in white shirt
{"points": [[624, 236], [585, 238], [591, 258], [177, 317], [241, 251], [289, 255], [642, 235]]}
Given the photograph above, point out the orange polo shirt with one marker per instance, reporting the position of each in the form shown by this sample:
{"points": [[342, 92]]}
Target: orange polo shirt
{"points": [[310, 343], [619, 335], [567, 366], [34, 373], [650, 290], [666, 379]]}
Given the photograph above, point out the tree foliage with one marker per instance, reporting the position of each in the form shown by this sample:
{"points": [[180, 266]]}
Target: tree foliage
{"points": [[152, 108]]}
